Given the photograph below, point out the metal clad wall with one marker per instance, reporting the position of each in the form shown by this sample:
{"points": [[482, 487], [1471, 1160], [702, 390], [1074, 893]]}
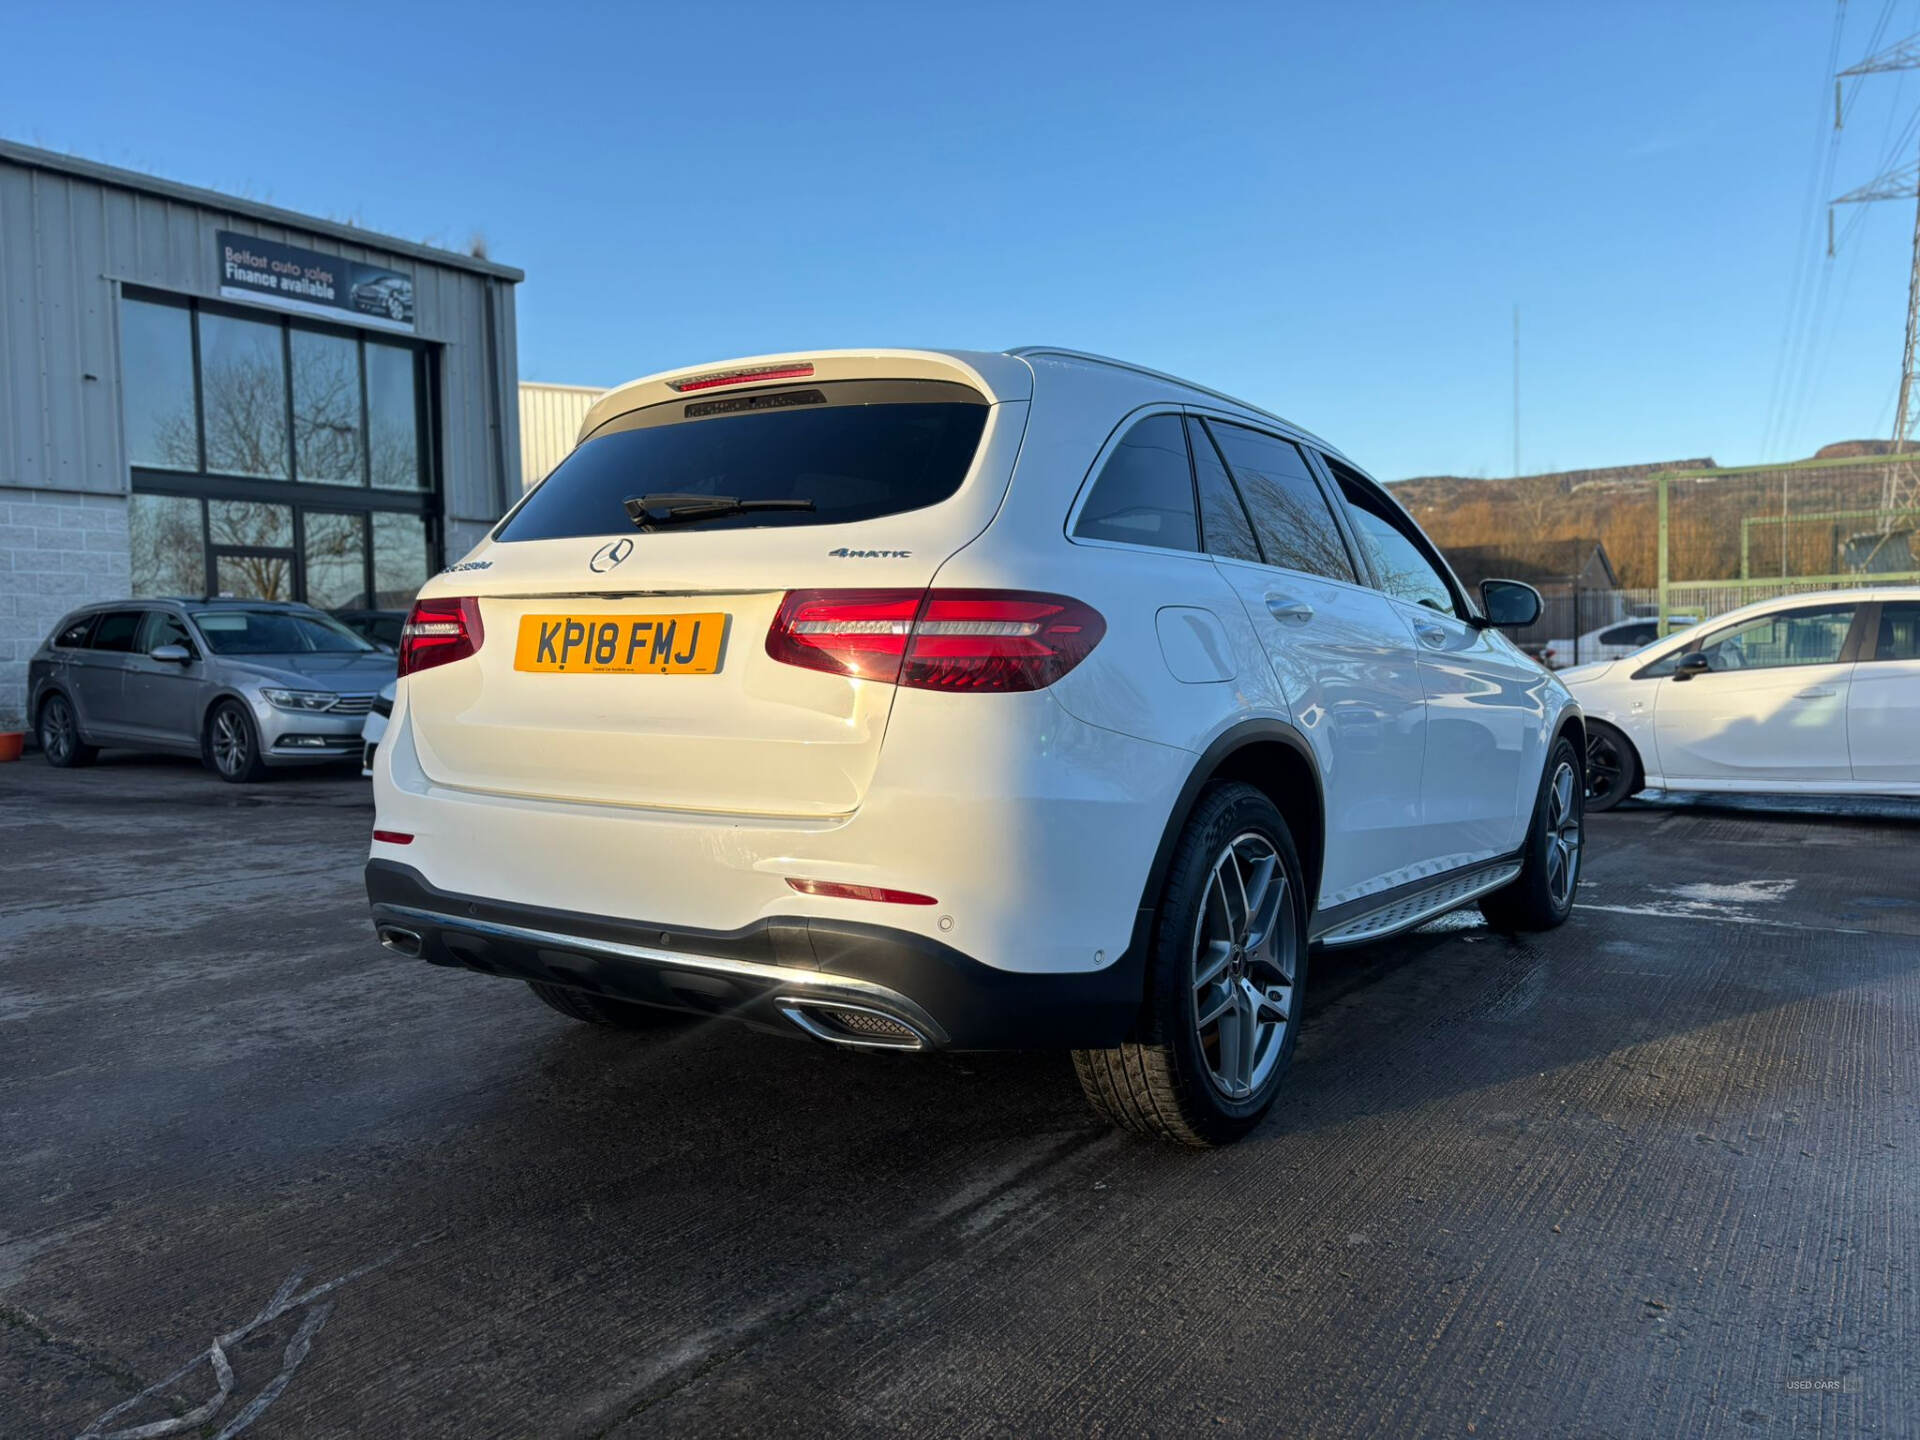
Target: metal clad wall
{"points": [[65, 238], [550, 417]]}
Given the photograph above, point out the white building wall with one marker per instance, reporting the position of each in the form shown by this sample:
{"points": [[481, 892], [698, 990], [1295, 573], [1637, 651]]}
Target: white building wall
{"points": [[550, 417], [58, 551]]}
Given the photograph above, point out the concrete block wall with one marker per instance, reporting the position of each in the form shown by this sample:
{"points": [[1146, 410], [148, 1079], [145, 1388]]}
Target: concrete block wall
{"points": [[57, 551]]}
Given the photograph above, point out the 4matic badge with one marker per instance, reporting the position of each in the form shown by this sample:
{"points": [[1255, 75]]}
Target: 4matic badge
{"points": [[843, 553]]}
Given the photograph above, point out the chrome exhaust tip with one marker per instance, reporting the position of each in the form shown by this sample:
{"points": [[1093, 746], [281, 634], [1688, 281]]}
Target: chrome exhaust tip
{"points": [[857, 1025], [401, 942]]}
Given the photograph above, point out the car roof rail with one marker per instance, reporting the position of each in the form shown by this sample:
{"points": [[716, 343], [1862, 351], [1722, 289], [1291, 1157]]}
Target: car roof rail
{"points": [[1090, 358]]}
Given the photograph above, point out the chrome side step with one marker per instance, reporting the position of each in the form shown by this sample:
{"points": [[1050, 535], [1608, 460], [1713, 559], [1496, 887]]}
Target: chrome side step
{"points": [[1421, 906]]}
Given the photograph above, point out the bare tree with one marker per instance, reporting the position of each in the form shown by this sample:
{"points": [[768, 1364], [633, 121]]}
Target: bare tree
{"points": [[1536, 501], [245, 407], [169, 551], [326, 410]]}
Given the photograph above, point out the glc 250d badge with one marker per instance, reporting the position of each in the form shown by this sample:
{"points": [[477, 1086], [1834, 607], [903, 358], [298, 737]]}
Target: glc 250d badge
{"points": [[468, 565], [609, 555], [843, 553]]}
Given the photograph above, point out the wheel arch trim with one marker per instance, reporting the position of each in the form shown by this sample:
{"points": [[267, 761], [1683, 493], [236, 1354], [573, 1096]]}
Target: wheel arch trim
{"points": [[1239, 737], [213, 703], [1570, 715], [37, 706]]}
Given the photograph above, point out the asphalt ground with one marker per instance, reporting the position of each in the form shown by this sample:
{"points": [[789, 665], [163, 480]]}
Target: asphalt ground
{"points": [[1657, 1173]]}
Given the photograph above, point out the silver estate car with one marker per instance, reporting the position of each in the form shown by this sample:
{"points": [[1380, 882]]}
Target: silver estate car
{"points": [[244, 684]]}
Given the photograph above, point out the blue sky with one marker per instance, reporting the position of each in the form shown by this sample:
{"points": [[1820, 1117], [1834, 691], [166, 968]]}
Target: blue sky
{"points": [[1328, 209]]}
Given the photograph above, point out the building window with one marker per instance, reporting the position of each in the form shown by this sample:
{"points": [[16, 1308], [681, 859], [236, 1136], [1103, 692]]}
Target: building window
{"points": [[243, 397], [157, 368], [276, 459], [335, 550], [392, 404], [402, 559], [326, 409], [169, 545]]}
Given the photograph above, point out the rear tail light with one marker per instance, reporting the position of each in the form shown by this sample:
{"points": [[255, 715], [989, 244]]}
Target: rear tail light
{"points": [[980, 641], [439, 632]]}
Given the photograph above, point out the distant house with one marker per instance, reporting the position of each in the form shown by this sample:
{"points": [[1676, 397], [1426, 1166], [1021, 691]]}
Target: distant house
{"points": [[1579, 564]]}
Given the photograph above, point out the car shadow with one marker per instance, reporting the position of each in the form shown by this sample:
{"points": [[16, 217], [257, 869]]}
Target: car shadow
{"points": [[1450, 1010]]}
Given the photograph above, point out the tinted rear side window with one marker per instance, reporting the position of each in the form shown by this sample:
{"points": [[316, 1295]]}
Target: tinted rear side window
{"points": [[858, 450], [116, 630], [1223, 519], [74, 636], [1290, 513], [1144, 495], [1899, 637]]}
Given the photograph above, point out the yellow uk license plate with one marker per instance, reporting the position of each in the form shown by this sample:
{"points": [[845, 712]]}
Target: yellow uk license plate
{"points": [[621, 644]]}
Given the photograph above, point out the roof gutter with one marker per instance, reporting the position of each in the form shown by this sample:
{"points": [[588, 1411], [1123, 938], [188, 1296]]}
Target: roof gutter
{"points": [[35, 159]]}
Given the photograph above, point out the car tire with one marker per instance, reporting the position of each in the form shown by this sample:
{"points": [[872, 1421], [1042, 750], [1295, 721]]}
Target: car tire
{"points": [[1221, 937], [59, 731], [230, 744], [1542, 895], [615, 1014], [1613, 767]]}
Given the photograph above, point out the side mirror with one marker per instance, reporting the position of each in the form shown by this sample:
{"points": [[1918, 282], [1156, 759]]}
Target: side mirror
{"points": [[171, 654], [1694, 664], [1510, 604]]}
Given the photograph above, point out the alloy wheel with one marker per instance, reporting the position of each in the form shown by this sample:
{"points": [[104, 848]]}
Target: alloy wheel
{"points": [[231, 743], [1564, 816], [1244, 956], [1606, 767], [57, 732]]}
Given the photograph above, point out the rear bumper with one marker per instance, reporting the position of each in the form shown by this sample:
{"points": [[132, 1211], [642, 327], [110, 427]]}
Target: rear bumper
{"points": [[791, 973]]}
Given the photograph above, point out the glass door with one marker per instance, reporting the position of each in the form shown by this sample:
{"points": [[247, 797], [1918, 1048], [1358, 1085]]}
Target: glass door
{"points": [[252, 549]]}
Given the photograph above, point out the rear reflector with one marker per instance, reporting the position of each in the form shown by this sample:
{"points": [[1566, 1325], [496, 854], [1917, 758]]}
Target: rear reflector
{"points": [[439, 632], [978, 641], [393, 837], [751, 375], [832, 889]]}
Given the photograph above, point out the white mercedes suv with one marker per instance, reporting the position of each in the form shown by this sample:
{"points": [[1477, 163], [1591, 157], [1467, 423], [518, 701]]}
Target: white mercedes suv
{"points": [[922, 699]]}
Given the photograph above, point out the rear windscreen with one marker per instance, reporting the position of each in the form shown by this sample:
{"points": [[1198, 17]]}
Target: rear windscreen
{"points": [[857, 449]]}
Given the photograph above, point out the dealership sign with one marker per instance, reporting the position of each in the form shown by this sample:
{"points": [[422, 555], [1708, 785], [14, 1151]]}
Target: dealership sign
{"points": [[315, 284]]}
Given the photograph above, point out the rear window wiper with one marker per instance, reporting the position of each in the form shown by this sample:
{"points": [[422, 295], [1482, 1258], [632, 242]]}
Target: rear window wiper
{"points": [[651, 511]]}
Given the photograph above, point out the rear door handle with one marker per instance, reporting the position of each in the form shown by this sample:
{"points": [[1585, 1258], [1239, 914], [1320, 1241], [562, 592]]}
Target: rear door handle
{"points": [[1815, 694], [1285, 607]]}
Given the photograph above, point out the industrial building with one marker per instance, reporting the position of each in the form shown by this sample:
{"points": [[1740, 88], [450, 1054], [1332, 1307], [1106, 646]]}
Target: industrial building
{"points": [[201, 394], [550, 417]]}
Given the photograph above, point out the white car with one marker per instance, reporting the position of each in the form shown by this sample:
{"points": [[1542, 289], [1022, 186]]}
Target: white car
{"points": [[921, 699], [375, 727], [1610, 642], [1812, 695]]}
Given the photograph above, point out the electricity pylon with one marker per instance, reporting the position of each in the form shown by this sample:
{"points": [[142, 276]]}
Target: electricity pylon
{"points": [[1902, 488]]}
